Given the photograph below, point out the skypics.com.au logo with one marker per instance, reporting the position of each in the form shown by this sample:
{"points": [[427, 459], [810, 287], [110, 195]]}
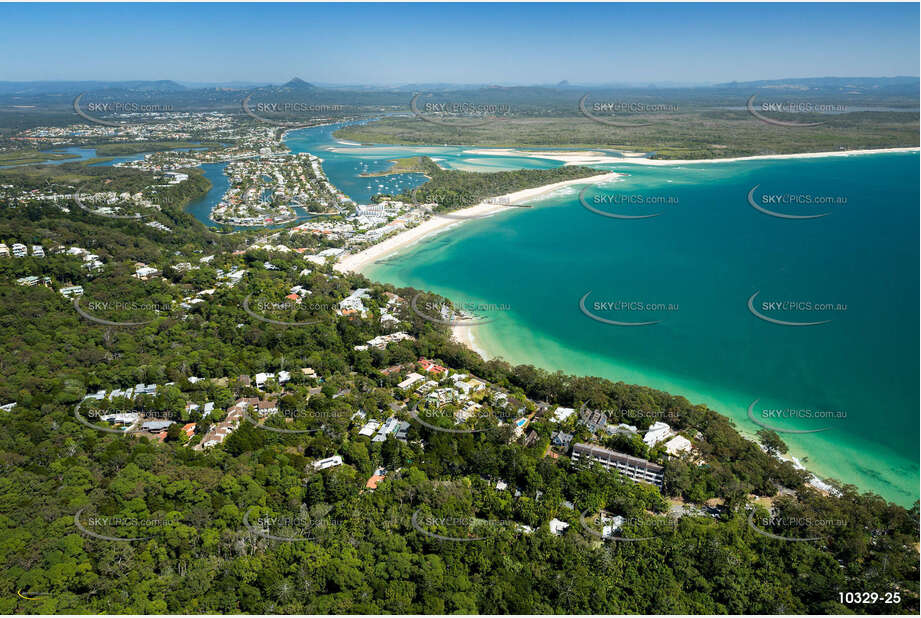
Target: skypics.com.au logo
{"points": [[101, 211], [627, 206], [760, 110], [300, 526], [99, 311], [428, 416], [123, 421], [793, 529], [614, 528], [295, 312], [457, 114], [456, 313], [613, 113], [795, 206], [106, 113], [295, 417], [799, 414], [792, 307], [120, 529], [459, 528], [289, 114], [94, 310], [619, 307]]}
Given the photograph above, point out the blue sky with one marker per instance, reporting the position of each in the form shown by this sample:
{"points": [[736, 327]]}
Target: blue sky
{"points": [[457, 43]]}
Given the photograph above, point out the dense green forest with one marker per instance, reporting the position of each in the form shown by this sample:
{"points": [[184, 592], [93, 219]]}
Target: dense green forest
{"points": [[452, 189], [65, 178], [358, 551], [686, 134], [93, 522]]}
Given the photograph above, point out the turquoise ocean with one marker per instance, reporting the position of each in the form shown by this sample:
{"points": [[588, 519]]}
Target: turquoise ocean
{"points": [[692, 269]]}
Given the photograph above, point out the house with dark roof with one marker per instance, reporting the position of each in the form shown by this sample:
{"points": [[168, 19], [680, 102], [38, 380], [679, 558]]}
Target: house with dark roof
{"points": [[561, 439], [595, 420]]}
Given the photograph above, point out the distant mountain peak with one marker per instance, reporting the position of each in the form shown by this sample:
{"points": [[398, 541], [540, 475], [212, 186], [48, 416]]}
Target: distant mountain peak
{"points": [[297, 83]]}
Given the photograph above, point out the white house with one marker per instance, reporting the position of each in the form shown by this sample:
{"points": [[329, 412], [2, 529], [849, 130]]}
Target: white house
{"points": [[329, 462], [557, 527], [561, 414], [657, 432], [410, 380], [678, 445], [149, 389], [369, 428], [352, 302], [73, 290]]}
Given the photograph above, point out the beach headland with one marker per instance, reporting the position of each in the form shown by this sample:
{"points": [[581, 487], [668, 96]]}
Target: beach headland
{"points": [[357, 261]]}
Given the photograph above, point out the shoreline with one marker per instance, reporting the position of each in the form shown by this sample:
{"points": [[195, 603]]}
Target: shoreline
{"points": [[402, 240], [819, 476], [599, 158], [464, 336]]}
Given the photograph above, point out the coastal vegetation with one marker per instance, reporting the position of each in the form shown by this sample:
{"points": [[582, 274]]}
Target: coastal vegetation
{"points": [[698, 122], [68, 177], [72, 174], [188, 509], [406, 165], [24, 157], [698, 134], [457, 523], [453, 189]]}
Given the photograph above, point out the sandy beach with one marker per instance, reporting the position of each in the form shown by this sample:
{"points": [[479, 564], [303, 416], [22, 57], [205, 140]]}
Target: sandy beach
{"points": [[596, 158], [462, 334], [465, 336], [357, 261]]}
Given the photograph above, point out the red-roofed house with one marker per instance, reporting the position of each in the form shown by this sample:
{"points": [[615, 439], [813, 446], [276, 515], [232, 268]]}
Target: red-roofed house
{"points": [[374, 481], [431, 367]]}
